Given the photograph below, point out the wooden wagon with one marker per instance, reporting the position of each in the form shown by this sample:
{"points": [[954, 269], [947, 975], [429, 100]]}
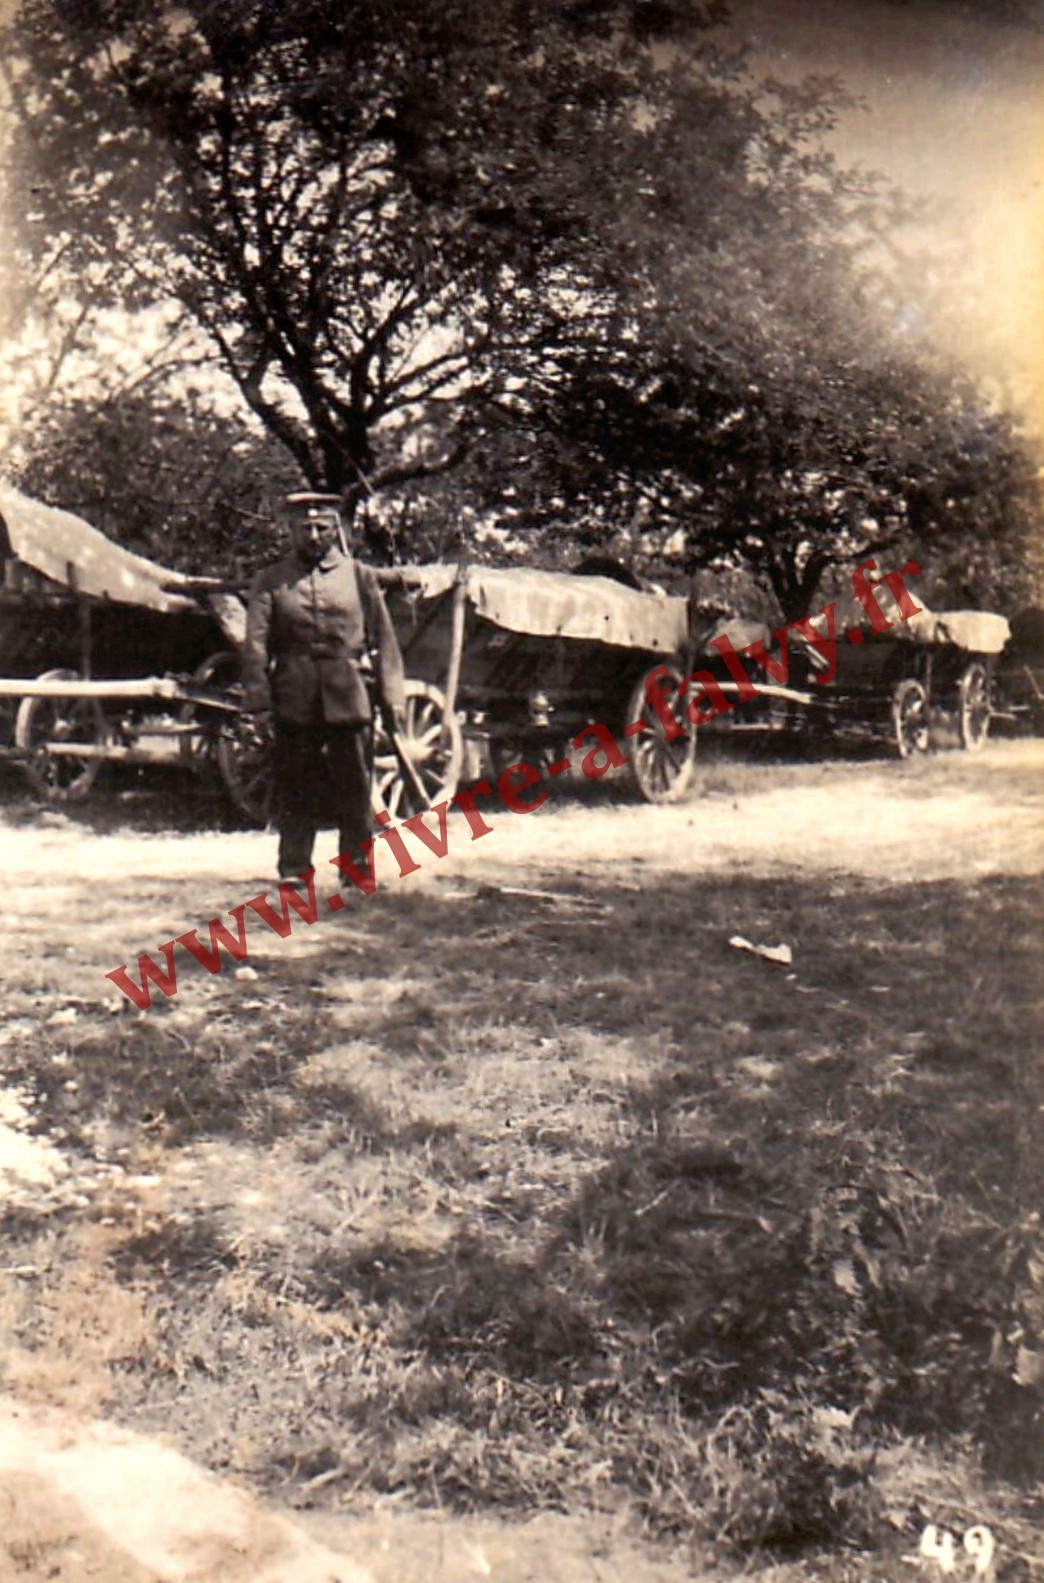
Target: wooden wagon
{"points": [[519, 661], [513, 664], [890, 684], [1019, 680], [106, 656]]}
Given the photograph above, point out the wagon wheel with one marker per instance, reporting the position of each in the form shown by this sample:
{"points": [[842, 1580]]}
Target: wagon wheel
{"points": [[973, 692], [42, 724], [910, 717], [198, 747], [243, 754], [432, 739], [662, 770]]}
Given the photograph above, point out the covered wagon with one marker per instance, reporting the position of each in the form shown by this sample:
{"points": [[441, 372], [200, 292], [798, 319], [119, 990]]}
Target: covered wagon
{"points": [[888, 683], [520, 661], [107, 656]]}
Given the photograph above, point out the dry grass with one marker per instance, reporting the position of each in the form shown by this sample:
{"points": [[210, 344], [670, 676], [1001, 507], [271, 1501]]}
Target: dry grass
{"points": [[519, 1204]]}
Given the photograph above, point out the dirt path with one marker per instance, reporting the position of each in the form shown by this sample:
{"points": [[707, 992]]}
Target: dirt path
{"points": [[79, 901], [92, 898], [86, 1501]]}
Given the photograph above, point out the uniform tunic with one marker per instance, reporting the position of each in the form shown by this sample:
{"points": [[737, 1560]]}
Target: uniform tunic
{"points": [[308, 627], [306, 631]]}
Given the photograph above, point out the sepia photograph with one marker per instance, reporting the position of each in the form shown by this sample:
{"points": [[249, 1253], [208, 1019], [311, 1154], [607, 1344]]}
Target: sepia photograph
{"points": [[522, 791]]}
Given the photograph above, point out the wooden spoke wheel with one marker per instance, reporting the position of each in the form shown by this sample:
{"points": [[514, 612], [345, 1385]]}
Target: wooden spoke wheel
{"points": [[910, 718], [49, 730], [198, 745], [663, 765], [243, 755], [973, 693], [433, 742]]}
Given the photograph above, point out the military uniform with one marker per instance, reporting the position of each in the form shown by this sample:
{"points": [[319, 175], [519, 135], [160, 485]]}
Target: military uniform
{"points": [[309, 627]]}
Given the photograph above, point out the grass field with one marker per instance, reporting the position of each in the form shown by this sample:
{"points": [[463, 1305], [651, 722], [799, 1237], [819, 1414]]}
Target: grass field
{"points": [[522, 1190], [548, 1198]]}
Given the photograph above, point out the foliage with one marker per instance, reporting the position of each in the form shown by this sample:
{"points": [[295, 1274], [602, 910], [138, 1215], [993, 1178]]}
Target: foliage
{"points": [[977, 520], [509, 262], [172, 480], [376, 212]]}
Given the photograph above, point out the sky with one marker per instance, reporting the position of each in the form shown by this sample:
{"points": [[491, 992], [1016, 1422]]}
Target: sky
{"points": [[953, 97]]}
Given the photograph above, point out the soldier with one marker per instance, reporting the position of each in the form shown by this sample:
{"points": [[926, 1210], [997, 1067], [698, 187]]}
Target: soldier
{"points": [[312, 620]]}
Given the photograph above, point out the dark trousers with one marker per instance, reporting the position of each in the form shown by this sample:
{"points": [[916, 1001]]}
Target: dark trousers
{"points": [[322, 775]]}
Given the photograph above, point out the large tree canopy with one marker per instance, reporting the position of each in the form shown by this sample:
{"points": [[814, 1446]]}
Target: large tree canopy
{"points": [[571, 260], [379, 212]]}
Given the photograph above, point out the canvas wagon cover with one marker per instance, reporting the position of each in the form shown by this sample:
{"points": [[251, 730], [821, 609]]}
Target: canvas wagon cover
{"points": [[560, 605], [975, 631], [50, 541]]}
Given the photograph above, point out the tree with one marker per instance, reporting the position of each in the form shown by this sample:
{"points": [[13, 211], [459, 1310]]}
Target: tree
{"points": [[819, 465], [168, 478], [770, 406], [506, 254], [376, 212]]}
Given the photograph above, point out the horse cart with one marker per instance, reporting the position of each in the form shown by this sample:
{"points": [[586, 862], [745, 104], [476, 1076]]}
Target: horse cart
{"points": [[107, 657], [893, 684], [517, 662], [1019, 681], [505, 665]]}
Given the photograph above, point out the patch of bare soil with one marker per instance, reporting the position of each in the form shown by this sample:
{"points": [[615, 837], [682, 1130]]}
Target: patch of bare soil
{"points": [[87, 1500]]}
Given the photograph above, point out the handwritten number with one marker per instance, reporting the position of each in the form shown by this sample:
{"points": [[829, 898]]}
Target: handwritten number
{"points": [[939, 1545], [978, 1542]]}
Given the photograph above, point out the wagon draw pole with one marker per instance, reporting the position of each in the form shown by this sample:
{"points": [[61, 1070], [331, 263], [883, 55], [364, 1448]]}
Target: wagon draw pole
{"points": [[83, 618], [792, 695], [459, 611]]}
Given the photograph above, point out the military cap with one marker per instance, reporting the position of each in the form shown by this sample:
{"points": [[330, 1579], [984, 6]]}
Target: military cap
{"points": [[309, 504]]}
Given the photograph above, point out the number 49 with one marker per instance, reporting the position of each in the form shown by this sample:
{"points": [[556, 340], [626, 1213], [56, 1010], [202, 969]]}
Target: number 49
{"points": [[939, 1545]]}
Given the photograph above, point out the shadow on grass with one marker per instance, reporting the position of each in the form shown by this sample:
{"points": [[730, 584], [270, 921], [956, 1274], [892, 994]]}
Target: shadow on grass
{"points": [[155, 1084], [809, 1226], [830, 1182], [175, 1251]]}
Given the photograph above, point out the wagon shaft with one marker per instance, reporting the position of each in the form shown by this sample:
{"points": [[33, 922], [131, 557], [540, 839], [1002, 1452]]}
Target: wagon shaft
{"points": [[159, 687]]}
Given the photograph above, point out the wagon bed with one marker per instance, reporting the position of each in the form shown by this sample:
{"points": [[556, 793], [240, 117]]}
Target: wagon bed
{"points": [[887, 683], [524, 660]]}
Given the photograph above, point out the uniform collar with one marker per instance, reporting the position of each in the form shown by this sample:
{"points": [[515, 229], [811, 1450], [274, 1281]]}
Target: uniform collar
{"points": [[334, 556]]}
